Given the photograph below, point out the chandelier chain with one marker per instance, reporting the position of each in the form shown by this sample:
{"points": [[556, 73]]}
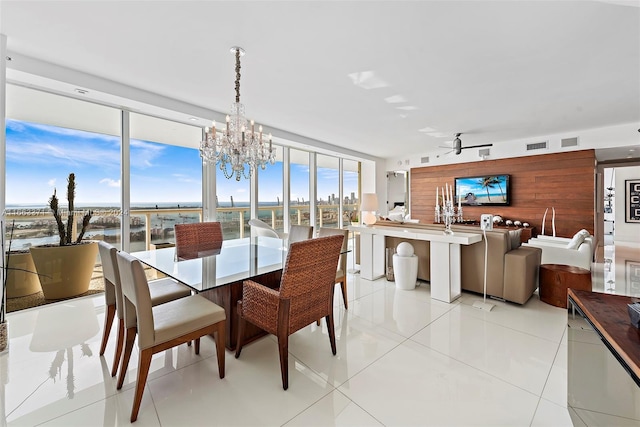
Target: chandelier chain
{"points": [[237, 75]]}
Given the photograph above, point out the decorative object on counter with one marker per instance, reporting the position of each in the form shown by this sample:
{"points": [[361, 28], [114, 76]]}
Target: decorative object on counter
{"points": [[553, 220], [448, 217], [497, 219], [517, 223], [634, 314], [368, 208], [508, 222], [525, 224], [437, 212], [447, 213], [397, 214]]}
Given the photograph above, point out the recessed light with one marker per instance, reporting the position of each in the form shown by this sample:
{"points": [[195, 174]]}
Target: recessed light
{"points": [[631, 150], [193, 119], [81, 91]]}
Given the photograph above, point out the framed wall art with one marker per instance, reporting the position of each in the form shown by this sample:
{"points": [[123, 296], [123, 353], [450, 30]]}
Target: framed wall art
{"points": [[632, 200]]}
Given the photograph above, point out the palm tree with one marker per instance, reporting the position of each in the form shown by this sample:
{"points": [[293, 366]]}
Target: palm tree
{"points": [[489, 182]]}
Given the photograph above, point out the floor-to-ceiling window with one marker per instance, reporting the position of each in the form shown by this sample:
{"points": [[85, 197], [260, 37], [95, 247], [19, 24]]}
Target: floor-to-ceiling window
{"points": [[350, 191], [299, 184], [233, 203], [328, 191], [270, 201], [166, 179], [48, 137]]}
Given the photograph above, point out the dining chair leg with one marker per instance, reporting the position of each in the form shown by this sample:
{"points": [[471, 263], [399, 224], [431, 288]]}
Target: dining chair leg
{"points": [[143, 371], [130, 338], [108, 321], [219, 337], [283, 346], [119, 343], [332, 333], [343, 285], [197, 346], [241, 325]]}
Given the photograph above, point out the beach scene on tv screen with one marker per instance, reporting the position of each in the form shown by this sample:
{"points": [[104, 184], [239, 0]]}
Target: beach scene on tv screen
{"points": [[483, 190]]}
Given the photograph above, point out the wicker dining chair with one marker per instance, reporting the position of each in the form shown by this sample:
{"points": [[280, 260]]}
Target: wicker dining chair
{"points": [[197, 239], [305, 295], [161, 327], [161, 291]]}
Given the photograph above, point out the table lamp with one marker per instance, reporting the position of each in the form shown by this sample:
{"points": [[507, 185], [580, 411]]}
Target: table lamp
{"points": [[368, 207]]}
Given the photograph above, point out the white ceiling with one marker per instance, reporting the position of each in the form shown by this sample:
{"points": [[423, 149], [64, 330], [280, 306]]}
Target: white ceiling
{"points": [[373, 76]]}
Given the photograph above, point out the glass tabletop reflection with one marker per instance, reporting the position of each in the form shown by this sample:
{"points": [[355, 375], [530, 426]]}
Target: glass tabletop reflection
{"points": [[236, 260]]}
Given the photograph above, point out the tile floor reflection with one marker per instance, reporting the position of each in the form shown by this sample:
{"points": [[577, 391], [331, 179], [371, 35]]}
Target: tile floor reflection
{"points": [[402, 359]]}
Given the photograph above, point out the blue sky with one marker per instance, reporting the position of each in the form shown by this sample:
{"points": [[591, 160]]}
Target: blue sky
{"points": [[40, 157]]}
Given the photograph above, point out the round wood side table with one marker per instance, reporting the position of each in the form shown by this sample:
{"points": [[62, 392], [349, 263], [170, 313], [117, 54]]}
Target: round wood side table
{"points": [[555, 279]]}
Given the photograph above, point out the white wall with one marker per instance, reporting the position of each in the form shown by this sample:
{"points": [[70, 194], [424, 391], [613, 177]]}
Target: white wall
{"points": [[625, 232], [625, 135], [373, 179]]}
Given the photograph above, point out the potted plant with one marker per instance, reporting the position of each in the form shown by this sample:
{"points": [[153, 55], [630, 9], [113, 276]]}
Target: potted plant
{"points": [[65, 269], [20, 273], [4, 268], [355, 220]]}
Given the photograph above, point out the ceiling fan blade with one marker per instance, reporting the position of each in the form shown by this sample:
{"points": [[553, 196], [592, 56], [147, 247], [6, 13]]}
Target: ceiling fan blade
{"points": [[477, 146]]}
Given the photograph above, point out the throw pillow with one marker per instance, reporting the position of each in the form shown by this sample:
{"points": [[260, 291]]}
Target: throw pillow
{"points": [[576, 241], [514, 239], [584, 233]]}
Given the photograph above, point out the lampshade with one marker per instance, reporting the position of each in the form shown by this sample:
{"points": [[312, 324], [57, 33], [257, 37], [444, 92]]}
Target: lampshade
{"points": [[369, 202], [368, 207]]}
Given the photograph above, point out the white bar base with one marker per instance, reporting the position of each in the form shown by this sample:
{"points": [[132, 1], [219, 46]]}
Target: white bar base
{"points": [[483, 306]]}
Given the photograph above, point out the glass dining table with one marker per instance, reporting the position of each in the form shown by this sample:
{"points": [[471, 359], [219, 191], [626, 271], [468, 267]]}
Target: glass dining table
{"points": [[218, 274]]}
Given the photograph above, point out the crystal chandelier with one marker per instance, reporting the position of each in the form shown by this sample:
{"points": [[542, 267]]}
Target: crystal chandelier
{"points": [[237, 145]]}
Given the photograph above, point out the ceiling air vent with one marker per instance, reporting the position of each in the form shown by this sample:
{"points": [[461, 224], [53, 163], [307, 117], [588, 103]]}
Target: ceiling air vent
{"points": [[424, 159], [484, 152], [569, 142], [537, 146]]}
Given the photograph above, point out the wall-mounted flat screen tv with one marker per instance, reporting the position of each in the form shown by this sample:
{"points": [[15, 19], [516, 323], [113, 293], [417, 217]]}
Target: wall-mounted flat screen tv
{"points": [[483, 190]]}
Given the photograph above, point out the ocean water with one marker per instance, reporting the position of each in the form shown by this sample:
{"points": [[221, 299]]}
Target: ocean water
{"points": [[161, 223]]}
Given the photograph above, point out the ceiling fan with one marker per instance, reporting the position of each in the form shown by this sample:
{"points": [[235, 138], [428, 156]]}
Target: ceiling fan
{"points": [[457, 145]]}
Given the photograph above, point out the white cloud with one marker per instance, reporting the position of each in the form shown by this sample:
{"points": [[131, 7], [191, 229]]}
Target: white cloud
{"points": [[241, 190], [110, 182], [51, 182]]}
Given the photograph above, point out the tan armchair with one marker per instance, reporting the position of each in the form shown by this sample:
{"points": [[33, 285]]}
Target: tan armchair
{"points": [[164, 326], [197, 239], [305, 295], [261, 228], [341, 273], [161, 291], [298, 233]]}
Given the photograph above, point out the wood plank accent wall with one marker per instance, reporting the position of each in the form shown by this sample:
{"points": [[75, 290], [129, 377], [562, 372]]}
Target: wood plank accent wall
{"points": [[565, 181]]}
